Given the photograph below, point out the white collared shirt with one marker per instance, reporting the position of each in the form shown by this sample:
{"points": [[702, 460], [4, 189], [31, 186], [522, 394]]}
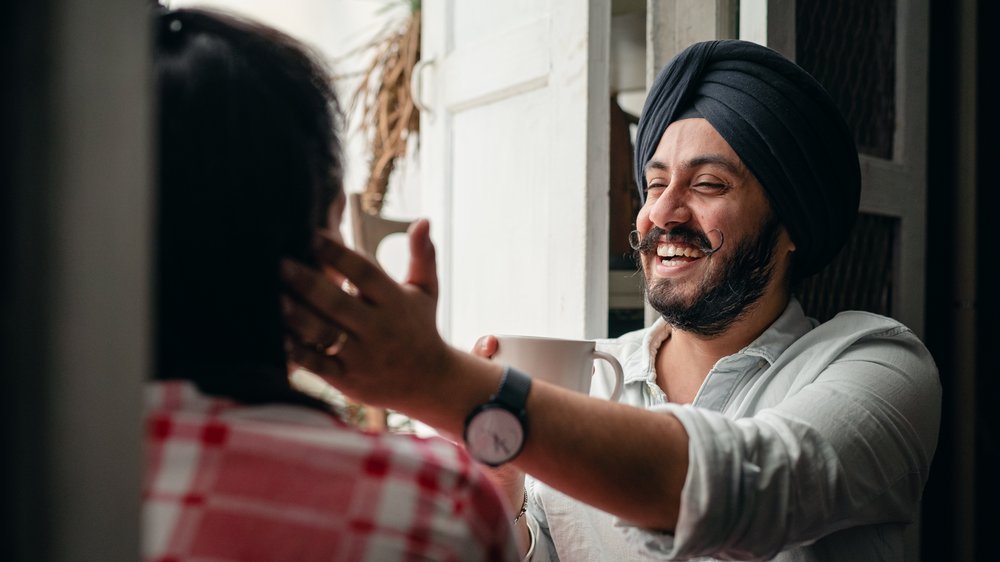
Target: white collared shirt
{"points": [[811, 443]]}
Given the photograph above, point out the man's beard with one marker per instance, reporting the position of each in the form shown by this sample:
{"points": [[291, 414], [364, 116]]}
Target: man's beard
{"points": [[727, 295]]}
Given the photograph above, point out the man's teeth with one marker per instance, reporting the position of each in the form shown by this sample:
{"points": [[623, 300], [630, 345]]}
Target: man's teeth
{"points": [[671, 251]]}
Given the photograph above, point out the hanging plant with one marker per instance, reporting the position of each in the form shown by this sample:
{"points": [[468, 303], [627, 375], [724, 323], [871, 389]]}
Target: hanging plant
{"points": [[388, 116]]}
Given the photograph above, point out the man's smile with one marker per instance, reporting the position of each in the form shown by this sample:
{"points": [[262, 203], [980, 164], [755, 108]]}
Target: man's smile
{"points": [[682, 253], [671, 258]]}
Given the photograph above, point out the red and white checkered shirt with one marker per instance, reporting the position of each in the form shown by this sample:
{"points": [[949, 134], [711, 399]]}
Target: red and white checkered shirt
{"points": [[226, 481]]}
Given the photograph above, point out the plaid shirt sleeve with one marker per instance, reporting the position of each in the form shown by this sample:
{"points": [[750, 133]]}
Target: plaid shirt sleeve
{"points": [[232, 482]]}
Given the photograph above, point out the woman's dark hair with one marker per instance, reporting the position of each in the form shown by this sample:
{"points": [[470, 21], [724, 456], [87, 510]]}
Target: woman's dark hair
{"points": [[249, 163]]}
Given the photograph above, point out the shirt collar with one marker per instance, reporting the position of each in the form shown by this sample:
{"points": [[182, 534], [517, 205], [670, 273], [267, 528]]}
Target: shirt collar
{"points": [[641, 366], [790, 326]]}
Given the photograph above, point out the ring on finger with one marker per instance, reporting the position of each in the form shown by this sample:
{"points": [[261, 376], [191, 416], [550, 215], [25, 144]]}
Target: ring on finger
{"points": [[349, 288]]}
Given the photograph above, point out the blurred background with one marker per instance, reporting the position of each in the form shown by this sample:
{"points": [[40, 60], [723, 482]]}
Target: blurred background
{"points": [[512, 131]]}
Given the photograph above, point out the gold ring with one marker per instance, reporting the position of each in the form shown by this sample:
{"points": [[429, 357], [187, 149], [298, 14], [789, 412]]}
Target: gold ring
{"points": [[349, 288]]}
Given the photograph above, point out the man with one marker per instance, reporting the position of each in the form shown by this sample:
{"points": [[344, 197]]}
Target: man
{"points": [[240, 466], [759, 433]]}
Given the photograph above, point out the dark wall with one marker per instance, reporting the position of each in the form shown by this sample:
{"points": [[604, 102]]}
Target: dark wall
{"points": [[75, 187], [938, 540], [24, 50], [987, 287], [941, 535]]}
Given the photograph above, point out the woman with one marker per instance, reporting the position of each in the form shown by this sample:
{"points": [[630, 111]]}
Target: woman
{"points": [[240, 465]]}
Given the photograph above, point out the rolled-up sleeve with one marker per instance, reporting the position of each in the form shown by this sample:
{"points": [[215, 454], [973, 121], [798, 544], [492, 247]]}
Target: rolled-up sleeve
{"points": [[847, 445]]}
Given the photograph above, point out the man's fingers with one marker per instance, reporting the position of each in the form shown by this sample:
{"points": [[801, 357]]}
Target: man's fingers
{"points": [[364, 274], [328, 300], [423, 264], [326, 367], [310, 328], [486, 346]]}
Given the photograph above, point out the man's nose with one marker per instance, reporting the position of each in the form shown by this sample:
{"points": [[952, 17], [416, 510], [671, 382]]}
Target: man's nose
{"points": [[671, 208]]}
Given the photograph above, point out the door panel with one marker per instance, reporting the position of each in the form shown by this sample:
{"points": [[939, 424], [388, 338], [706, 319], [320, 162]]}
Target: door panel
{"points": [[514, 165]]}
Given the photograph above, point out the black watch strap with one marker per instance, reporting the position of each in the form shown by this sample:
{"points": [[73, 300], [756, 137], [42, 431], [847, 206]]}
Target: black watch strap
{"points": [[495, 431], [514, 388]]}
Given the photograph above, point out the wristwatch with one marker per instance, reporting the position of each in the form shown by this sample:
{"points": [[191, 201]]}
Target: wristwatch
{"points": [[495, 431]]}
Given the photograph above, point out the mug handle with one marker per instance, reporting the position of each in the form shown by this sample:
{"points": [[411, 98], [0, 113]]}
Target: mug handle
{"points": [[619, 374]]}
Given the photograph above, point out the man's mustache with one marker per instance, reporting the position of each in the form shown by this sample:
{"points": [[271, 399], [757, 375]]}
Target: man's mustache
{"points": [[680, 234]]}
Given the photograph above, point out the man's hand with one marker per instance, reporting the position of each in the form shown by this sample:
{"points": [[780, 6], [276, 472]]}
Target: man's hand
{"points": [[486, 347], [375, 339]]}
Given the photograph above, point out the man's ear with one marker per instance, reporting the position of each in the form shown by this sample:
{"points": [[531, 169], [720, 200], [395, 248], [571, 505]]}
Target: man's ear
{"points": [[787, 247]]}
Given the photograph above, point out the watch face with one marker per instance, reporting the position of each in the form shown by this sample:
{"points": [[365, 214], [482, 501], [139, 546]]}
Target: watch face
{"points": [[494, 435]]}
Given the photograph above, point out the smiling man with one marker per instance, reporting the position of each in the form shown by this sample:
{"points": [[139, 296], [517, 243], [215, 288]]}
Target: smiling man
{"points": [[698, 187], [746, 429]]}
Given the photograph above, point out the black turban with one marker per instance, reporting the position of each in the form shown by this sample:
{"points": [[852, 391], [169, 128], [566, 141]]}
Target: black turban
{"points": [[781, 123]]}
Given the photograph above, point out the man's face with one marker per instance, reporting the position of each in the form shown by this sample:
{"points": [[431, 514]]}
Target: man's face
{"points": [[700, 197]]}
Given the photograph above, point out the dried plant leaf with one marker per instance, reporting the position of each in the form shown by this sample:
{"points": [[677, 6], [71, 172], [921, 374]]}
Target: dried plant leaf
{"points": [[388, 116]]}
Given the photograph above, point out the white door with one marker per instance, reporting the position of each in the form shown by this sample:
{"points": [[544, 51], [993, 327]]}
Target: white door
{"points": [[514, 164]]}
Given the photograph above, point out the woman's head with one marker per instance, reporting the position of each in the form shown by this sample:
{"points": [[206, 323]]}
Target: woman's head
{"points": [[249, 164]]}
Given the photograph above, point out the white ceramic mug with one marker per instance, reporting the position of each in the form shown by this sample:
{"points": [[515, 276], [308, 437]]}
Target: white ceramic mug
{"points": [[566, 363]]}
